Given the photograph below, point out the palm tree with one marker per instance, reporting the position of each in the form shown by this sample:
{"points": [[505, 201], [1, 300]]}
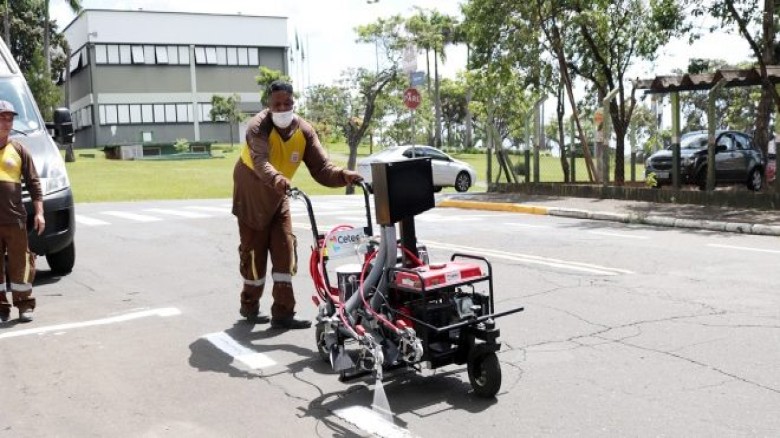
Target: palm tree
{"points": [[75, 6]]}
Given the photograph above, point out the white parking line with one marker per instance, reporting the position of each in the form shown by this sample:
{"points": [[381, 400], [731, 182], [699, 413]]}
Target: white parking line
{"points": [[88, 221], [611, 234], [229, 346], [180, 213], [210, 209], [131, 216], [369, 421], [743, 248], [532, 259], [162, 312]]}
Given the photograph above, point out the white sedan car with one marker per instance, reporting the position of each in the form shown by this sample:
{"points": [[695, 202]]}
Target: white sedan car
{"points": [[447, 171]]}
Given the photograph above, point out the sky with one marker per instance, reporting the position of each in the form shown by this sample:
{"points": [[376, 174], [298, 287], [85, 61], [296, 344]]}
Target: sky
{"points": [[326, 30]]}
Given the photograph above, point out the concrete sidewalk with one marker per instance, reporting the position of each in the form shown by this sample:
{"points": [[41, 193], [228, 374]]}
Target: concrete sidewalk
{"points": [[762, 222]]}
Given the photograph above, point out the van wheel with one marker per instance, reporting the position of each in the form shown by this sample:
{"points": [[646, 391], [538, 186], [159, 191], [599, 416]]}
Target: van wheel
{"points": [[61, 263], [755, 181]]}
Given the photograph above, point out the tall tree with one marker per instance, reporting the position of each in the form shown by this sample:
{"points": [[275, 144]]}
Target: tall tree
{"points": [[75, 6], [26, 32], [433, 31], [754, 20]]}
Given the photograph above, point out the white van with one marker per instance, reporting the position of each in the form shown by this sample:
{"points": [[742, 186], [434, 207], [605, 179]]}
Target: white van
{"points": [[56, 242]]}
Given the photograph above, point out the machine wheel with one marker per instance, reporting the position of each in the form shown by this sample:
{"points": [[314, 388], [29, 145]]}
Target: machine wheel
{"points": [[485, 374], [755, 180], [462, 182], [321, 348], [61, 263]]}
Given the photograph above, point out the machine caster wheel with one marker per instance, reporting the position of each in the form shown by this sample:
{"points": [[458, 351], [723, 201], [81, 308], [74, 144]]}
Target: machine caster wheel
{"points": [[485, 374], [322, 348]]}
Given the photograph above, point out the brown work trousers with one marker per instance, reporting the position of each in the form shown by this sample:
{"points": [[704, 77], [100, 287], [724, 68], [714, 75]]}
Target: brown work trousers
{"points": [[278, 240], [19, 272]]}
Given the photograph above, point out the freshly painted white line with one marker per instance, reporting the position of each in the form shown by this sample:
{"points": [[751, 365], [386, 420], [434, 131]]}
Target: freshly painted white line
{"points": [[369, 421], [229, 346], [132, 216], [180, 213], [162, 312], [90, 222], [611, 234], [532, 259], [744, 248], [221, 210], [512, 224]]}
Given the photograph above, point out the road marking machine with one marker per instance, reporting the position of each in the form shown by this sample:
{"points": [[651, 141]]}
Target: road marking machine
{"points": [[396, 309]]}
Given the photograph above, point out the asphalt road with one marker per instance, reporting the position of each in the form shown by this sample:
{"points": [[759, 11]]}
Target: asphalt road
{"points": [[629, 330]]}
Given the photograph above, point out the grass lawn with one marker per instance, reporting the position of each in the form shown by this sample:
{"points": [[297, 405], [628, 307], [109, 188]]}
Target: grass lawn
{"points": [[96, 179]]}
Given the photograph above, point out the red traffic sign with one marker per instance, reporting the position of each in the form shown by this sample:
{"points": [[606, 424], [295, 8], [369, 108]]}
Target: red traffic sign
{"points": [[412, 98]]}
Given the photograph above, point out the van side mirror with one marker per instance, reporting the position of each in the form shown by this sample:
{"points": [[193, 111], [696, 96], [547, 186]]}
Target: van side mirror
{"points": [[63, 126]]}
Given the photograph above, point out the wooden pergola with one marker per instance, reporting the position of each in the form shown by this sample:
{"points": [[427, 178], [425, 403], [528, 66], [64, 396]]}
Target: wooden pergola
{"points": [[711, 82]]}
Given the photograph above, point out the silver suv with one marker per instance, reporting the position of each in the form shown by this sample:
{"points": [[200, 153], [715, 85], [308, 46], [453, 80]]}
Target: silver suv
{"points": [[737, 160]]}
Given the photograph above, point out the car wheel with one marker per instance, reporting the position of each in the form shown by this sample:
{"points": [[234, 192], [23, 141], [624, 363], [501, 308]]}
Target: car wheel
{"points": [[755, 181], [62, 262], [437, 189], [462, 182]]}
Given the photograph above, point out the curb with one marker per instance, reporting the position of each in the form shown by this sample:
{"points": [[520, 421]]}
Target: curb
{"points": [[661, 221]]}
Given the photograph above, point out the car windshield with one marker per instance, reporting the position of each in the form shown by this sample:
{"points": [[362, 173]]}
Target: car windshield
{"points": [[694, 142], [12, 90]]}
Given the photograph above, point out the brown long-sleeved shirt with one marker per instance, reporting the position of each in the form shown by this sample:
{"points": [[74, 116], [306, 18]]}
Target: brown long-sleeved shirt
{"points": [[256, 196], [16, 165]]}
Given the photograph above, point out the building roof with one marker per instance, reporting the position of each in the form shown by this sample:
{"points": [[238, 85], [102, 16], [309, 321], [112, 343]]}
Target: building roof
{"points": [[115, 26], [694, 82]]}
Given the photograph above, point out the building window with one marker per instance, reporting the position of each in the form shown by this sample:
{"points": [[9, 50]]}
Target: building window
{"points": [[232, 56], [200, 55], [181, 113], [101, 56], [243, 56], [113, 54], [111, 115], [170, 113], [173, 54], [123, 114], [184, 55], [205, 112], [253, 56], [159, 113], [147, 114], [135, 113], [221, 56], [211, 55], [161, 53], [125, 54], [138, 54], [149, 55]]}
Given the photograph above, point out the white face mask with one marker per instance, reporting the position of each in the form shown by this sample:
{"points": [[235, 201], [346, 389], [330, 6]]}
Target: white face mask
{"points": [[282, 120]]}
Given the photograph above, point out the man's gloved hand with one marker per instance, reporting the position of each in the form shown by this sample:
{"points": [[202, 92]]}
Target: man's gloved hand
{"points": [[281, 185], [352, 177]]}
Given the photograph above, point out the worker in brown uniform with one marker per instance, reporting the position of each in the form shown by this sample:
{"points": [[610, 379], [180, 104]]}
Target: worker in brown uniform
{"points": [[277, 142], [16, 165]]}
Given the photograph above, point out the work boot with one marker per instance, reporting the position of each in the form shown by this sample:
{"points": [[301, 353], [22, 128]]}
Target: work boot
{"points": [[256, 317], [290, 323], [26, 315]]}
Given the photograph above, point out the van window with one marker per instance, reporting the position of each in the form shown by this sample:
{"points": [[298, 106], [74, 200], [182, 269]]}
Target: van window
{"points": [[13, 90]]}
